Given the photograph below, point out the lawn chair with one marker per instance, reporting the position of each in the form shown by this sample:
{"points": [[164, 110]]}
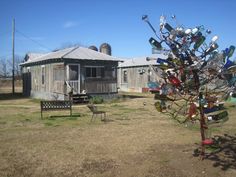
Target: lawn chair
{"points": [[94, 110]]}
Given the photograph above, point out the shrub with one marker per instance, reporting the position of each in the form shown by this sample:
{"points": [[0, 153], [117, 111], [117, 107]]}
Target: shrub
{"points": [[96, 100]]}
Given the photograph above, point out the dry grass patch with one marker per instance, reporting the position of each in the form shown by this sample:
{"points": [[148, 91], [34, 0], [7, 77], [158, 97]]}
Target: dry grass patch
{"points": [[137, 141]]}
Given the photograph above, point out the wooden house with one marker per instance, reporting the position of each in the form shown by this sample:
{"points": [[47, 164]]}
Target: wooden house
{"points": [[135, 74], [53, 75]]}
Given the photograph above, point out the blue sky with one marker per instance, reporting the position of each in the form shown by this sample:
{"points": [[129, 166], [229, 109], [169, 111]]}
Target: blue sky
{"points": [[44, 25]]}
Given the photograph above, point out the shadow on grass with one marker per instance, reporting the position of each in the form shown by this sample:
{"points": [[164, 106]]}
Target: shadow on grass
{"points": [[222, 152], [130, 96], [10, 96], [72, 117]]}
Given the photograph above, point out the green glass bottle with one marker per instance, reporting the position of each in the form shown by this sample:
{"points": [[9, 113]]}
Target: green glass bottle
{"points": [[199, 42]]}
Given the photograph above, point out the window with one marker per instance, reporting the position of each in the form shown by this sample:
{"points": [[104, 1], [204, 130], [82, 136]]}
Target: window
{"points": [[94, 72], [125, 77], [43, 74], [58, 72]]}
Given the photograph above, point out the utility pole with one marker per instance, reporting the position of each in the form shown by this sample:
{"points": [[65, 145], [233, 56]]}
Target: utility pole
{"points": [[13, 56]]}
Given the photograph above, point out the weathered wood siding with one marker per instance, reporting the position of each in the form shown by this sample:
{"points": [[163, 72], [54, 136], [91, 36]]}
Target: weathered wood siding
{"points": [[48, 78], [58, 78], [102, 86], [137, 78]]}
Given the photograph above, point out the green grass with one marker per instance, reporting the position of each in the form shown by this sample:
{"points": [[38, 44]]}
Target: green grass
{"points": [[48, 124], [27, 117], [115, 100], [10, 96], [26, 112], [35, 100], [117, 106]]}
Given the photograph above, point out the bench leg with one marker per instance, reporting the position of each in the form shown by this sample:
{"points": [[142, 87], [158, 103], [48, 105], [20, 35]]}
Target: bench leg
{"points": [[41, 114]]}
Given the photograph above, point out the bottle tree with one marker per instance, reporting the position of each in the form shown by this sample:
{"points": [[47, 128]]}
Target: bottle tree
{"points": [[195, 75]]}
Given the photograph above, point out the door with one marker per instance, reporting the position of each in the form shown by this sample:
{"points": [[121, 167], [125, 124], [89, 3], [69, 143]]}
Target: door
{"points": [[26, 77], [73, 77]]}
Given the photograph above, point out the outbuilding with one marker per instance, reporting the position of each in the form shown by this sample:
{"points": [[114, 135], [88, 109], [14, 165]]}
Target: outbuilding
{"points": [[135, 74], [52, 76]]}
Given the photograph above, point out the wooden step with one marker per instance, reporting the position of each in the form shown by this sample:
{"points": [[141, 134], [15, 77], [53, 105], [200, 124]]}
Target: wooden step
{"points": [[80, 98]]}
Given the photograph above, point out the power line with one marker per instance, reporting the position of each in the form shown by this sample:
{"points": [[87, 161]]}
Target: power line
{"points": [[36, 42]]}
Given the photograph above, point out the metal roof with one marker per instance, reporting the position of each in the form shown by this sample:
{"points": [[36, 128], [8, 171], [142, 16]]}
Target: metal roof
{"points": [[77, 53], [32, 56], [141, 61]]}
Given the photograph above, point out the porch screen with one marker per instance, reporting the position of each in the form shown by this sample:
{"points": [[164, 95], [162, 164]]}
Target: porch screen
{"points": [[73, 72]]}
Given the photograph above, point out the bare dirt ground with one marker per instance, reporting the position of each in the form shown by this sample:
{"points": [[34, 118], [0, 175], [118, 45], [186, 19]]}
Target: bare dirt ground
{"points": [[137, 141]]}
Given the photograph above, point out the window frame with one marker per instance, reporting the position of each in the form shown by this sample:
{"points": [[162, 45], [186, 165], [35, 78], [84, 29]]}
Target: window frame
{"points": [[43, 74], [124, 76], [96, 76]]}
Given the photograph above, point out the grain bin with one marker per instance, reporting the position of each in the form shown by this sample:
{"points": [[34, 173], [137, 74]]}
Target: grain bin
{"points": [[105, 48], [93, 47]]}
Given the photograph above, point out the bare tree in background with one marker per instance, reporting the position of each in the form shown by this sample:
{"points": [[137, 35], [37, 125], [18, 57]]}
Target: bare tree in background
{"points": [[18, 61], [17, 68], [4, 67]]}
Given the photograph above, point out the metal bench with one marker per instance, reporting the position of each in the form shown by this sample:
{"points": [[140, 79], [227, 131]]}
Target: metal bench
{"points": [[55, 105]]}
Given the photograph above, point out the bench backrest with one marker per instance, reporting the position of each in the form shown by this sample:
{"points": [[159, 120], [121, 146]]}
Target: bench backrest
{"points": [[50, 105]]}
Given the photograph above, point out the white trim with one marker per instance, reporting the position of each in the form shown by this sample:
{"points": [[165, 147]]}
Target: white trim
{"points": [[67, 74]]}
